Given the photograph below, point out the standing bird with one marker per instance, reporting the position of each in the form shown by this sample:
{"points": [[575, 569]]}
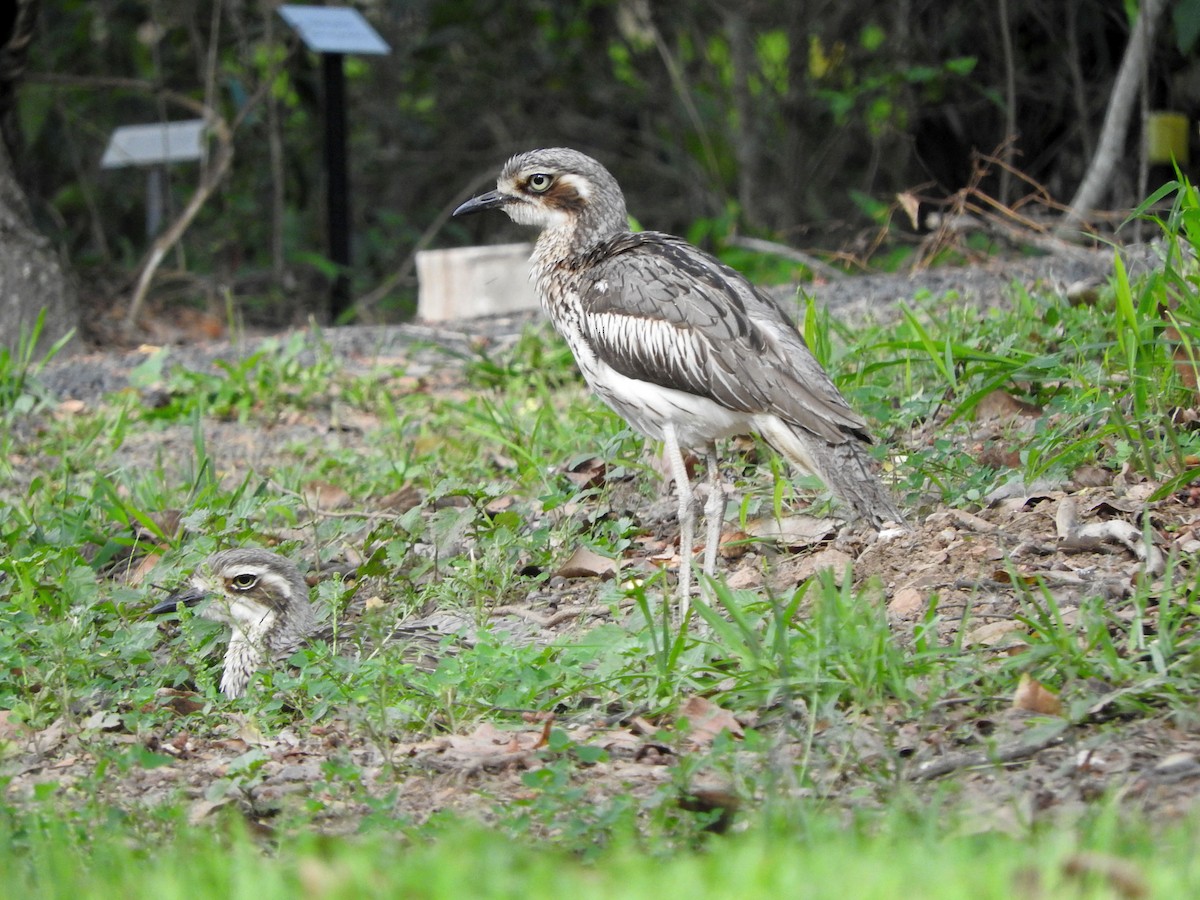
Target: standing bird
{"points": [[683, 347], [264, 599]]}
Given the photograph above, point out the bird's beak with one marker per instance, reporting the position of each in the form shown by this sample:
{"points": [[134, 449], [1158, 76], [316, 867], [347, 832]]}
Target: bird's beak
{"points": [[189, 597], [490, 200]]}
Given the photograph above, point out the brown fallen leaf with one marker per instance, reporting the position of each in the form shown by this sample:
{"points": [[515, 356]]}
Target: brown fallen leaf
{"points": [[793, 532], [401, 501], [707, 720], [183, 702], [585, 563], [499, 504], [994, 634], [911, 205], [1001, 405], [324, 495], [588, 473], [1091, 476], [137, 575], [1032, 696]]}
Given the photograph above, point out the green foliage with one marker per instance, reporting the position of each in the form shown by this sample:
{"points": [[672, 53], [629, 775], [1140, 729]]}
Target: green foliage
{"points": [[18, 371], [770, 119]]}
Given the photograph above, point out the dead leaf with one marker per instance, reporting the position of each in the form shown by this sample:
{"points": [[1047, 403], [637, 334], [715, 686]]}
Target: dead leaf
{"points": [[402, 500], [588, 473], [324, 495], [733, 544], [1032, 696], [1002, 406], [707, 720], [499, 504], [183, 702], [794, 532], [1091, 476], [101, 720], [994, 634], [910, 204], [137, 575], [585, 563]]}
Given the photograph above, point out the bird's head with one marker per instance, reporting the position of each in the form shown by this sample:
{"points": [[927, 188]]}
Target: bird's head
{"points": [[249, 589], [556, 188]]}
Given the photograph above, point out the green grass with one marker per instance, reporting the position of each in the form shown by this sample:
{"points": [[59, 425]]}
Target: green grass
{"points": [[815, 857], [815, 667]]}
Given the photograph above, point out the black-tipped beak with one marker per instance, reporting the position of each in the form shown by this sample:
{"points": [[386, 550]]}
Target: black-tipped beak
{"points": [[189, 597], [490, 200]]}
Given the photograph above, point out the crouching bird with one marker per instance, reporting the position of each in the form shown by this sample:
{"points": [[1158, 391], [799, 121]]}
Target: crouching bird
{"points": [[683, 347], [263, 598]]}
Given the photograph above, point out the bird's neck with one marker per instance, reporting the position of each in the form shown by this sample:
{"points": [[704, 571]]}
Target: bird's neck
{"points": [[242, 659], [253, 645]]}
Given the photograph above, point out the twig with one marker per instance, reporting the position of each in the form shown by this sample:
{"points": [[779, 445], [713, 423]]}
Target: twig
{"points": [[371, 298], [758, 245], [221, 130], [1021, 749], [548, 621]]}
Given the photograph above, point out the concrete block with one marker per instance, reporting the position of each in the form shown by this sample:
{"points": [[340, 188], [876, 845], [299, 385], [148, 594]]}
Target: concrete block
{"points": [[474, 281]]}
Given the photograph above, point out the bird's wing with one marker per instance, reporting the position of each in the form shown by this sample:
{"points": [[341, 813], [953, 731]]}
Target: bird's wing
{"points": [[659, 310]]}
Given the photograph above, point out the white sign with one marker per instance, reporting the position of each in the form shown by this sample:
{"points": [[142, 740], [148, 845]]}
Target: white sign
{"points": [[156, 144], [334, 29]]}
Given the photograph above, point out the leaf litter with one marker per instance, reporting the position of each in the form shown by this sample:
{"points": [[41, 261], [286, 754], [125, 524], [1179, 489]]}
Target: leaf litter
{"points": [[1047, 749]]}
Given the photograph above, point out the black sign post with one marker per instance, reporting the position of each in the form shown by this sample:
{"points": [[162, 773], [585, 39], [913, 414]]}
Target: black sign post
{"points": [[334, 32]]}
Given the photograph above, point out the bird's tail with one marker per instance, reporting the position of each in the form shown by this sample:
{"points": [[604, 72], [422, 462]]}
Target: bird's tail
{"points": [[847, 469]]}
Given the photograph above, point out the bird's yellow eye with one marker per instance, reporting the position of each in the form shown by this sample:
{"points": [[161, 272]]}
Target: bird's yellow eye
{"points": [[540, 182], [244, 581]]}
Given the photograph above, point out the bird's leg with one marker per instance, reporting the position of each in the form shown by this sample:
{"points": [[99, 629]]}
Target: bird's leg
{"points": [[687, 517], [714, 510]]}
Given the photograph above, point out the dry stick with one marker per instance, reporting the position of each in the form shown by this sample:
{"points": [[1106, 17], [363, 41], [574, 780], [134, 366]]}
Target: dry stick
{"points": [[222, 159], [213, 176], [1021, 749], [275, 154], [972, 208], [370, 299], [217, 125], [758, 245], [1116, 118], [1010, 102]]}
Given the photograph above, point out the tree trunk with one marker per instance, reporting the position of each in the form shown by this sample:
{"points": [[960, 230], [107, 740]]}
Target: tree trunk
{"points": [[32, 278], [1116, 119]]}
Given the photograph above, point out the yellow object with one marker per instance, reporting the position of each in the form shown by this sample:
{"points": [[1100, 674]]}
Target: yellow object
{"points": [[1167, 138]]}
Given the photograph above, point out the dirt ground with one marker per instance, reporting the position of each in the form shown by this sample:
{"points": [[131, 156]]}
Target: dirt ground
{"points": [[1026, 755]]}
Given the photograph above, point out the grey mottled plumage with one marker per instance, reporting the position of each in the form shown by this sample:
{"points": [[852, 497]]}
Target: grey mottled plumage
{"points": [[680, 345], [264, 599]]}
